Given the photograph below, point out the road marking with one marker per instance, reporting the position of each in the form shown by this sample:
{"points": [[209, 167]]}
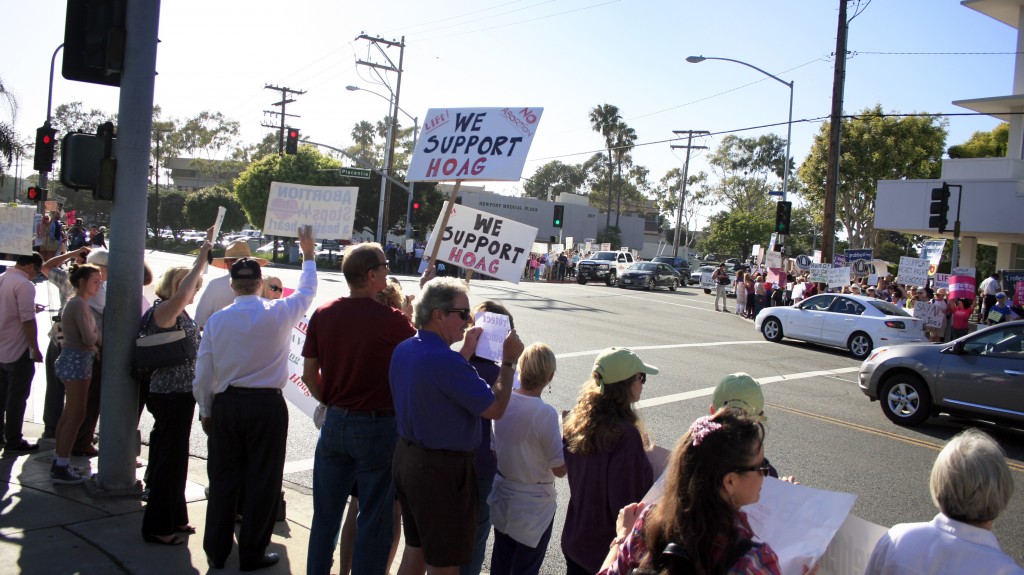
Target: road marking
{"points": [[666, 346], [661, 301], [707, 391], [912, 441]]}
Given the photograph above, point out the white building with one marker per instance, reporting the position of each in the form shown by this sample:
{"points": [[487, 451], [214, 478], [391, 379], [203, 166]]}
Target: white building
{"points": [[992, 210]]}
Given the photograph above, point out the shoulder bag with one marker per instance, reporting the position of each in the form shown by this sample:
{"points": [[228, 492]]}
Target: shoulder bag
{"points": [[161, 349]]}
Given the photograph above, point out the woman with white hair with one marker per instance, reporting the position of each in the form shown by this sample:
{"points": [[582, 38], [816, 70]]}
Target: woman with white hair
{"points": [[971, 485]]}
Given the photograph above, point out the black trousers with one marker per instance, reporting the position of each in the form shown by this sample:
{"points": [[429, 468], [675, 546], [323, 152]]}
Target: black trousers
{"points": [[249, 429], [168, 462]]}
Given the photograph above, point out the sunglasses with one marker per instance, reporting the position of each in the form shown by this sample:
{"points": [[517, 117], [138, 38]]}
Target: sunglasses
{"points": [[762, 469], [643, 377], [462, 311], [274, 288], [371, 268]]}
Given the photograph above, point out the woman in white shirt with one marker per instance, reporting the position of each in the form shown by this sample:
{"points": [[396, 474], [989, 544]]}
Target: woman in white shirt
{"points": [[971, 485], [528, 443]]}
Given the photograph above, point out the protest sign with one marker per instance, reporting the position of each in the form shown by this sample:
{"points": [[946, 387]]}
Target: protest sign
{"points": [[569, 243], [17, 229], [331, 210], [797, 521], [933, 314], [838, 277], [294, 390], [773, 260], [940, 281], [410, 245], [1018, 294], [487, 244], [961, 287], [818, 273], [851, 547], [839, 261], [931, 250], [492, 341], [964, 272], [913, 271], [862, 254], [1012, 280], [816, 257], [473, 144], [606, 247]]}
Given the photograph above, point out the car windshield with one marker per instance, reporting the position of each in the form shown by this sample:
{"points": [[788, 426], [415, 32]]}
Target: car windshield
{"points": [[609, 256], [888, 308], [644, 267]]}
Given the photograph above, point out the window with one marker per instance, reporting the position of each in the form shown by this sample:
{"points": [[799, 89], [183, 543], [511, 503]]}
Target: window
{"points": [[848, 306], [1007, 342], [818, 303], [1018, 256]]}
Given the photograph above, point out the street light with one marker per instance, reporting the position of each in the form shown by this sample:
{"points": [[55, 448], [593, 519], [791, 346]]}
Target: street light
{"points": [[789, 124], [388, 152]]}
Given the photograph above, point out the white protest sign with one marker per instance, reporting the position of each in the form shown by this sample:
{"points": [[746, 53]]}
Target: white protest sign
{"points": [[606, 247], [17, 229], [964, 272], [569, 243], [331, 210], [913, 271], [557, 248], [410, 245], [473, 144], [935, 314], [816, 258], [838, 277], [940, 281], [797, 521], [492, 341], [851, 547], [294, 390], [588, 246], [538, 248], [488, 244], [819, 273]]}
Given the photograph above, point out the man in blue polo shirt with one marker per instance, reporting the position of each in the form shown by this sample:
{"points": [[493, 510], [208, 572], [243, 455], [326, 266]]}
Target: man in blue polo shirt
{"points": [[439, 400]]}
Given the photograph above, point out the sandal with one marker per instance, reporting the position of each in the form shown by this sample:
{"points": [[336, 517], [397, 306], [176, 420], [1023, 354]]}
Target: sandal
{"points": [[185, 529], [174, 539]]}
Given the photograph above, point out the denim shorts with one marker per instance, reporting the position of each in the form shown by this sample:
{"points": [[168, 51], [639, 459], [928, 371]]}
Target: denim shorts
{"points": [[74, 365]]}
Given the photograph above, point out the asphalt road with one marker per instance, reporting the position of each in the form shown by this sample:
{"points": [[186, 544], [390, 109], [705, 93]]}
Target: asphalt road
{"points": [[821, 428]]}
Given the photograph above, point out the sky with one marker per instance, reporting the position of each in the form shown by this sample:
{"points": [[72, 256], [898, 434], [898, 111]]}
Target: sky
{"points": [[566, 56]]}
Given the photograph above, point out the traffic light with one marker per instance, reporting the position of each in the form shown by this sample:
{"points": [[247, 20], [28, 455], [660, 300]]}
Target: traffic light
{"points": [[414, 213], [291, 145], [94, 39], [556, 219], [940, 208], [783, 212], [34, 194], [46, 139]]}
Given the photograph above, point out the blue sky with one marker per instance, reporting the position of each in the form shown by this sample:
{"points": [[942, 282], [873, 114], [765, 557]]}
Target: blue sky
{"points": [[564, 55]]}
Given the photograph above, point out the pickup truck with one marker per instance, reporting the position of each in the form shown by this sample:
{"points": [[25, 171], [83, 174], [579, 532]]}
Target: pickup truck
{"points": [[603, 266]]}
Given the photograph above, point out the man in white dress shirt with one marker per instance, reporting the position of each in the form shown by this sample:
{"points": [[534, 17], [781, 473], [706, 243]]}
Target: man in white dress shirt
{"points": [[241, 367]]}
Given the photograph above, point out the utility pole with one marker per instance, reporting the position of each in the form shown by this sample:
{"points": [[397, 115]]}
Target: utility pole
{"points": [[682, 185], [283, 103], [389, 146], [828, 229]]}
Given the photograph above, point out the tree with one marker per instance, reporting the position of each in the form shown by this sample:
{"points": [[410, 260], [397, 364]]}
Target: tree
{"points": [[745, 167], [625, 139], [207, 133], [698, 196], [72, 117], [201, 209], [874, 147], [172, 211], [992, 144], [9, 146], [554, 178], [604, 119], [734, 233]]}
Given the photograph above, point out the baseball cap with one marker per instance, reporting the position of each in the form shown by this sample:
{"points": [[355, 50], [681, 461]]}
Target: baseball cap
{"points": [[1000, 295], [617, 364], [246, 269], [739, 390]]}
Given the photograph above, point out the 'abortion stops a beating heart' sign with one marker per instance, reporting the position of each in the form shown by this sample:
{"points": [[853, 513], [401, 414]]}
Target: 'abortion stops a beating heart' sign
{"points": [[330, 210]]}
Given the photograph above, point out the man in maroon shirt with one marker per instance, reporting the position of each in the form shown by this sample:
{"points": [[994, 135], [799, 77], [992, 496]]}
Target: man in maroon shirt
{"points": [[347, 354]]}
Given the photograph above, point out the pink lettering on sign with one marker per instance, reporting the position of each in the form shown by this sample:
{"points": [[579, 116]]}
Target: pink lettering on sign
{"points": [[1018, 295], [456, 168], [436, 122]]}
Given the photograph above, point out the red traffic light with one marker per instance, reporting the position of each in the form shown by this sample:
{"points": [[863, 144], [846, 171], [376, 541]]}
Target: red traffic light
{"points": [[415, 205], [34, 194], [294, 134], [47, 139]]}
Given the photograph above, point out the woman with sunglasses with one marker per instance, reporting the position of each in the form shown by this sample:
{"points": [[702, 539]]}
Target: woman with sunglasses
{"points": [[272, 288], [605, 447], [697, 526]]}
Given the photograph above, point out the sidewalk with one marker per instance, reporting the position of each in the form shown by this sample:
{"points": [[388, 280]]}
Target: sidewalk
{"points": [[61, 529]]}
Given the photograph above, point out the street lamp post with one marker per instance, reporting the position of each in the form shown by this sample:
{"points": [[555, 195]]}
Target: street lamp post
{"points": [[387, 163], [789, 124]]}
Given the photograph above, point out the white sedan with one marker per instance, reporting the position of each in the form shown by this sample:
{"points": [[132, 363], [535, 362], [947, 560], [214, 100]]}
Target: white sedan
{"points": [[857, 323]]}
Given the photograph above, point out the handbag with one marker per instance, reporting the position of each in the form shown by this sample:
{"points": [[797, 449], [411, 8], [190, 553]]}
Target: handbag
{"points": [[161, 349]]}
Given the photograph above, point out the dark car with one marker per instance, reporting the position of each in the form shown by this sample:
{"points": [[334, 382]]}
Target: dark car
{"points": [[649, 275], [681, 265], [979, 376]]}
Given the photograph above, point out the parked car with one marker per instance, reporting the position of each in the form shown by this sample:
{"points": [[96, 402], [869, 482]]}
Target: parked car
{"points": [[857, 323], [695, 276], [710, 285], [679, 264], [979, 376], [649, 275]]}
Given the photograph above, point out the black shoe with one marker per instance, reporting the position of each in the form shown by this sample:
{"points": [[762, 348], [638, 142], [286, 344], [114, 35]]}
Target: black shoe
{"points": [[21, 447], [214, 564], [267, 560]]}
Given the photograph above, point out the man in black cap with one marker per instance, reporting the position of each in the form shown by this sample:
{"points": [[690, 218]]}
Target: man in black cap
{"points": [[241, 367]]}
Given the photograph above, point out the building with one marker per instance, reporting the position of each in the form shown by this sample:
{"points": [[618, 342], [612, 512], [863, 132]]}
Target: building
{"points": [[993, 188], [189, 174]]}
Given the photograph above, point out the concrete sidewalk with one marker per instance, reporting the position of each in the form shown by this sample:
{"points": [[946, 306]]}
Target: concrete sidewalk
{"points": [[61, 529]]}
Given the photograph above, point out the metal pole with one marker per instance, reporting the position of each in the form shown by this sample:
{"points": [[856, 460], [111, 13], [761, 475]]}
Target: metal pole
{"points": [[412, 185], [955, 255], [789, 138], [119, 401], [384, 181], [44, 176]]}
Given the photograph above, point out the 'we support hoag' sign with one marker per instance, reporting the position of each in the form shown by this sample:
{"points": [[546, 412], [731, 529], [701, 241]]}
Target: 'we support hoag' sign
{"points": [[473, 144], [331, 210], [485, 243]]}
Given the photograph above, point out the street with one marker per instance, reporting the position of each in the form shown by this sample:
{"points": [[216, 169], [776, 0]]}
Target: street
{"points": [[821, 428]]}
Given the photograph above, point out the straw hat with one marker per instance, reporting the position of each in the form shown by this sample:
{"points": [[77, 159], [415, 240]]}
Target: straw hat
{"points": [[236, 250]]}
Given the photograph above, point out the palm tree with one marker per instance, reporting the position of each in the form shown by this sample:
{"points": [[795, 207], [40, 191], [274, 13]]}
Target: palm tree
{"points": [[603, 120], [9, 145], [625, 139]]}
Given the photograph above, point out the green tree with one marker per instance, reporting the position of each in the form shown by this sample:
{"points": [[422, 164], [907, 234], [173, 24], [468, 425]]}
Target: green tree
{"points": [[72, 117], [554, 178], [992, 144], [201, 209], [698, 196], [624, 140], [747, 169], [874, 147], [605, 119], [734, 233], [9, 145], [207, 133], [172, 211]]}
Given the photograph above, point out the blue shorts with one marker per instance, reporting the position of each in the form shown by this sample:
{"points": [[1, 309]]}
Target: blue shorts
{"points": [[74, 365]]}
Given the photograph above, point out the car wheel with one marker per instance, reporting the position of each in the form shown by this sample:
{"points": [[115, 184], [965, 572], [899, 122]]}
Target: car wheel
{"points": [[611, 279], [672, 285], [581, 281], [860, 345], [650, 284], [707, 291], [771, 329], [905, 399]]}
